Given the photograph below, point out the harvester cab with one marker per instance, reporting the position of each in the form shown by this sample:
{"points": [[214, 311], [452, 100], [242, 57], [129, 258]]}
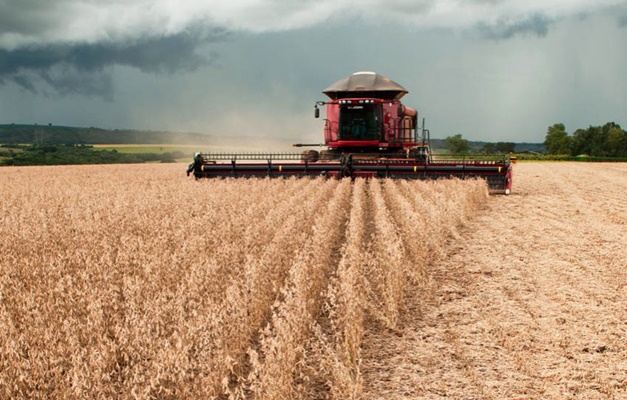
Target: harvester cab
{"points": [[365, 115], [368, 133]]}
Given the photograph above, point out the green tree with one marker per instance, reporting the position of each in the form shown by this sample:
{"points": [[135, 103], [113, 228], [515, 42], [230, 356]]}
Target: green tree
{"points": [[505, 147], [600, 141], [456, 144], [616, 142], [581, 142], [489, 148], [557, 140]]}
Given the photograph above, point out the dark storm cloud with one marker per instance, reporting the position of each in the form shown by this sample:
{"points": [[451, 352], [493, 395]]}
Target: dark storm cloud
{"points": [[85, 68], [66, 82], [74, 46], [506, 28]]}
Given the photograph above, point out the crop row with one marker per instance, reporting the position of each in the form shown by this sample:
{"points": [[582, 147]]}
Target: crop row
{"points": [[148, 285]]}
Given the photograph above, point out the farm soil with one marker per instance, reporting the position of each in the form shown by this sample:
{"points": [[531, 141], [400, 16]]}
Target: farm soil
{"points": [[529, 302]]}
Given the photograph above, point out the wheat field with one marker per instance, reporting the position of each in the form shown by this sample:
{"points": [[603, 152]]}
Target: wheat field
{"points": [[133, 282]]}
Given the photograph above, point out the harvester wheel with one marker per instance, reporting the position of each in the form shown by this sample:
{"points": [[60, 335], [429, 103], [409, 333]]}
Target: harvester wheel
{"points": [[346, 161], [310, 155]]}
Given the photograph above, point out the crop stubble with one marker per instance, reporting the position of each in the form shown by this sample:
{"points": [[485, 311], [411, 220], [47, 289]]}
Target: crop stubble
{"points": [[529, 304]]}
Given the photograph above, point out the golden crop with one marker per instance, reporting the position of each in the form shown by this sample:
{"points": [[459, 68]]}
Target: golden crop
{"points": [[134, 282]]}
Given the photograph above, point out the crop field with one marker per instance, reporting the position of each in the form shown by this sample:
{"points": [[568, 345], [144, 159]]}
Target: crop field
{"points": [[530, 301], [133, 281]]}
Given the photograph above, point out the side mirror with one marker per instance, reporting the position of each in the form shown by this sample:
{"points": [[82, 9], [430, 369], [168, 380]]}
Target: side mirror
{"points": [[400, 111], [317, 113]]}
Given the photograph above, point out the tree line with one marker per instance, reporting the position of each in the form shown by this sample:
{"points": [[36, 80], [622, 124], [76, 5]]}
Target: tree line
{"points": [[456, 144], [76, 154], [609, 140], [57, 135]]}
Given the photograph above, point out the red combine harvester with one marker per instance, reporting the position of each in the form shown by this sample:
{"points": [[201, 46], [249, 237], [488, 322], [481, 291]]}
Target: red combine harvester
{"points": [[368, 133]]}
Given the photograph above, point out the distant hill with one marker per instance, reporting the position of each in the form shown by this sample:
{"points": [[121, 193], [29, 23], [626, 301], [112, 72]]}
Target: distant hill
{"points": [[53, 135], [50, 134]]}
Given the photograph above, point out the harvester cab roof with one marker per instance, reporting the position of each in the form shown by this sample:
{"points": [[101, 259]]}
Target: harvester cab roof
{"points": [[365, 84]]}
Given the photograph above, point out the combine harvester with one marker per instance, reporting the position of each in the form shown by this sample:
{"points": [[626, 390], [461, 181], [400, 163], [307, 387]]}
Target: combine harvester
{"points": [[368, 133]]}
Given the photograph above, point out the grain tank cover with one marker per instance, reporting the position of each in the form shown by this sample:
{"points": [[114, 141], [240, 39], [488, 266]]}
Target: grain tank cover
{"points": [[365, 84]]}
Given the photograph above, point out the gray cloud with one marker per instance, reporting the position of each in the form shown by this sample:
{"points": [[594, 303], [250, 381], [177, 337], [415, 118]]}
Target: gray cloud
{"points": [[71, 81], [505, 28], [30, 17], [489, 2], [85, 68], [408, 7], [73, 46], [267, 83], [38, 21], [622, 16]]}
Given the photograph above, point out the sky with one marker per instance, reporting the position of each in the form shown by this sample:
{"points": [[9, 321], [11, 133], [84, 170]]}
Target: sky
{"points": [[490, 70]]}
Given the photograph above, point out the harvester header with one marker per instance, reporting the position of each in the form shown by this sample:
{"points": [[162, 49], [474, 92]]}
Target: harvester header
{"points": [[367, 133]]}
